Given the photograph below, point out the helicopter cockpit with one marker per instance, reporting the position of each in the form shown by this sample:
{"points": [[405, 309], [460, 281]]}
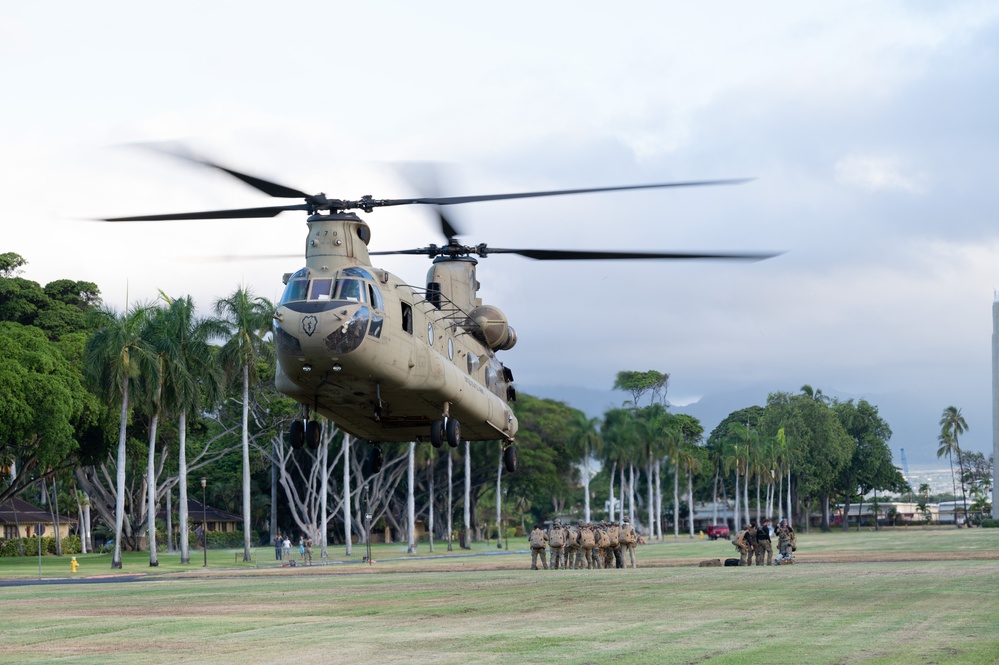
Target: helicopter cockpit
{"points": [[351, 285]]}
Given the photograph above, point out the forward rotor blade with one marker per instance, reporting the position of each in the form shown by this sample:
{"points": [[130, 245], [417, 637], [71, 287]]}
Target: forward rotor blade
{"points": [[239, 213], [452, 200], [266, 186], [589, 255]]}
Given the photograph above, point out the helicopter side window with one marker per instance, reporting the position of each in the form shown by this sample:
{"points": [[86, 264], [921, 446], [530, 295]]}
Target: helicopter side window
{"points": [[375, 298], [296, 290], [350, 289], [320, 289], [407, 318]]}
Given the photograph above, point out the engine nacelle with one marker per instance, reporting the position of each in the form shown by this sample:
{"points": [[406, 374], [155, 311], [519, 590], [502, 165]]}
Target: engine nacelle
{"points": [[492, 328]]}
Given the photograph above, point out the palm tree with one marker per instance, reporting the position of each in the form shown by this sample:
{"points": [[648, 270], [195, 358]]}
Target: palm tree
{"points": [[247, 319], [114, 356], [953, 423], [193, 381]]}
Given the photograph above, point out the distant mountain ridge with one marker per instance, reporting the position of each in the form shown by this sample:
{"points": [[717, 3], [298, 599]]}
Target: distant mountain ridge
{"points": [[913, 420]]}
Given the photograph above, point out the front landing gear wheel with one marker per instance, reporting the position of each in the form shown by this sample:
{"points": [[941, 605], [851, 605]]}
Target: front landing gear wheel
{"points": [[296, 434], [453, 432], [510, 459], [437, 433]]}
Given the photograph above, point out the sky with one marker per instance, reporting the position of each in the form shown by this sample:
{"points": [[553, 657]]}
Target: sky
{"points": [[869, 129]]}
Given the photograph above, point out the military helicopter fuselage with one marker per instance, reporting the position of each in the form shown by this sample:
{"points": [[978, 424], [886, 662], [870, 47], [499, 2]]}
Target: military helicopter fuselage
{"points": [[390, 361], [385, 360]]}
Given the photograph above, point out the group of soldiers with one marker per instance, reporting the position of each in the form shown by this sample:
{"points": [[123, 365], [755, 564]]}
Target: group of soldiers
{"points": [[754, 542], [584, 545]]}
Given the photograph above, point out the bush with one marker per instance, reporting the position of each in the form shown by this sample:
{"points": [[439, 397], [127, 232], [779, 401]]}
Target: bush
{"points": [[990, 524], [9, 547]]}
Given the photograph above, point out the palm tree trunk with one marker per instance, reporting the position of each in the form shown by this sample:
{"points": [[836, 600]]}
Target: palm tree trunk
{"points": [[430, 517], [758, 521], [410, 499], [659, 501], [648, 493], [119, 502], [246, 466], [737, 513], [745, 495], [151, 491], [185, 551], [631, 492], [324, 489], [347, 528], [789, 496], [676, 499], [960, 465], [690, 500], [450, 503], [499, 496], [468, 496], [714, 498], [586, 486], [610, 510]]}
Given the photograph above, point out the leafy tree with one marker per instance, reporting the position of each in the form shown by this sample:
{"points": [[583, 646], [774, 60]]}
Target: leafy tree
{"points": [[639, 383], [41, 403], [870, 467]]}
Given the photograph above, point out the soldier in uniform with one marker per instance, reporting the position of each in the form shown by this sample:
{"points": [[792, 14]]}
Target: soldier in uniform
{"points": [[763, 545], [606, 554], [571, 546], [785, 541], [556, 541], [741, 543], [538, 541], [587, 543], [614, 535], [628, 539], [751, 542]]}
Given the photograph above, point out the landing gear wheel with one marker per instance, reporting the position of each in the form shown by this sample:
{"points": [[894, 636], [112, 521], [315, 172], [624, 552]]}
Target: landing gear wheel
{"points": [[312, 434], [510, 459], [453, 432], [375, 460], [296, 434], [437, 433]]}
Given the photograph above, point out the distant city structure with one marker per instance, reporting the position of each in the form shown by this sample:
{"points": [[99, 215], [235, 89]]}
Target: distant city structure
{"points": [[995, 403]]}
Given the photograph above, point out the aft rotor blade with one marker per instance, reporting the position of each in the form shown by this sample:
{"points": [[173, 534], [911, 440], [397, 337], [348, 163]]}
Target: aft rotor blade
{"points": [[593, 255], [452, 200], [239, 213]]}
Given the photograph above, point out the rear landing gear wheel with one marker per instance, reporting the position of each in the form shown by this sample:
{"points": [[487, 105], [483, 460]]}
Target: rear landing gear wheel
{"points": [[312, 434], [453, 432], [437, 433], [296, 434], [375, 460], [510, 459]]}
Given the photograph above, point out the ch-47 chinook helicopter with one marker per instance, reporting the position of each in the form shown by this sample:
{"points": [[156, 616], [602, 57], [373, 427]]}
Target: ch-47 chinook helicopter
{"points": [[388, 361]]}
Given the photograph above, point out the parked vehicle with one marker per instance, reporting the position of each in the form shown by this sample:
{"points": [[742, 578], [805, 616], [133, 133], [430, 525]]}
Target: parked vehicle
{"points": [[716, 531]]}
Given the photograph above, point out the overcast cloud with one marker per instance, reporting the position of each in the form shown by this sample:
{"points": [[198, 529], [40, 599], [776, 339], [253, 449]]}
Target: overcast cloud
{"points": [[870, 130]]}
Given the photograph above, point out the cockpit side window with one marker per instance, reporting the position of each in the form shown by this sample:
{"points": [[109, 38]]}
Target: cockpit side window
{"points": [[296, 290], [350, 289]]}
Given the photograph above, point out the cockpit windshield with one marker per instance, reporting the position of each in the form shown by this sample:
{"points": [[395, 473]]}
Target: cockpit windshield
{"points": [[358, 287]]}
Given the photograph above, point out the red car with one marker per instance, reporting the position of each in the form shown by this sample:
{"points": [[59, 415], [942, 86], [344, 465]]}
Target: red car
{"points": [[716, 531]]}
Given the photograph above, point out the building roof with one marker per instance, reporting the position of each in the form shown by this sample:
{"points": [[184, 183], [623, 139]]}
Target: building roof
{"points": [[195, 513], [18, 511]]}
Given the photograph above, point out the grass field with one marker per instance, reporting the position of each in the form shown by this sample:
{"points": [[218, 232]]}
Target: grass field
{"points": [[895, 596]]}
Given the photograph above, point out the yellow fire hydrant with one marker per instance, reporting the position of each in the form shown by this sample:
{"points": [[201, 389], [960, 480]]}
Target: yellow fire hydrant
{"points": [[73, 564]]}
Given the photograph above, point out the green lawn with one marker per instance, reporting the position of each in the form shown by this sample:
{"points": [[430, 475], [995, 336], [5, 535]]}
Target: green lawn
{"points": [[492, 609]]}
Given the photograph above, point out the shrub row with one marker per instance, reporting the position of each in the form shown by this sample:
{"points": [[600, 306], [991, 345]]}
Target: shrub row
{"points": [[10, 547], [990, 524]]}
